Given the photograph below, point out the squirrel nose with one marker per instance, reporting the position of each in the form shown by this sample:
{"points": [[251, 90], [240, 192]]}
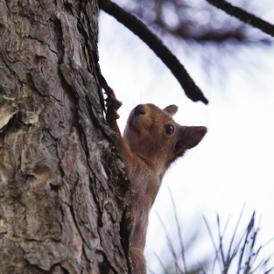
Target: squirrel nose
{"points": [[139, 110]]}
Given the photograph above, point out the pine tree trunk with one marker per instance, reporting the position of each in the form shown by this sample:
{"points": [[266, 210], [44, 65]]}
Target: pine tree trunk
{"points": [[62, 186]]}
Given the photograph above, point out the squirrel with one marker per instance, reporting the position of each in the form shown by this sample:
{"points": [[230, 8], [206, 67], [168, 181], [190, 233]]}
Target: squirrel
{"points": [[150, 143]]}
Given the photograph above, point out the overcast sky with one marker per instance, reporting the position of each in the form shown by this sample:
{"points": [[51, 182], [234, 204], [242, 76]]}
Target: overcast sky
{"points": [[233, 166]]}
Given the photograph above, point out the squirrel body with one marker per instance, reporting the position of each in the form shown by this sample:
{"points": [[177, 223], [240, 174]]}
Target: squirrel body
{"points": [[152, 140]]}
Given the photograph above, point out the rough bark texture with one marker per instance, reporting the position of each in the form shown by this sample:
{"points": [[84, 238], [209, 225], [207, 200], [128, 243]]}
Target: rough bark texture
{"points": [[62, 187]]}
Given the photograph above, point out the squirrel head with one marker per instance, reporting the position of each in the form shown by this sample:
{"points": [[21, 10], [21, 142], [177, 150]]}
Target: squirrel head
{"points": [[155, 137]]}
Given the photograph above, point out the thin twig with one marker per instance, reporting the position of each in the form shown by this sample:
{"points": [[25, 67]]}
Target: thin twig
{"points": [[169, 242], [160, 262], [192, 91], [243, 249], [212, 240], [179, 231], [221, 246], [244, 16], [234, 234]]}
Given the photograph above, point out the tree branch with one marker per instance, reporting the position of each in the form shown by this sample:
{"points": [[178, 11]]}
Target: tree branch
{"points": [[192, 91], [244, 16]]}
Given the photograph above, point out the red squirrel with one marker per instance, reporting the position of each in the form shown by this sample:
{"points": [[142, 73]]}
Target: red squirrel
{"points": [[150, 143]]}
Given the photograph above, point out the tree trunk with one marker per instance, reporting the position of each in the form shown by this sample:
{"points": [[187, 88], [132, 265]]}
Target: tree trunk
{"points": [[62, 185]]}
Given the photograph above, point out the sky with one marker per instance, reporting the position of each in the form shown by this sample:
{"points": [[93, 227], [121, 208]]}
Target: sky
{"points": [[232, 168]]}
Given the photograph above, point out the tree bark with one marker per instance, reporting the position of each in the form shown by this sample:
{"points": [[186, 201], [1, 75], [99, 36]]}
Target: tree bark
{"points": [[63, 191]]}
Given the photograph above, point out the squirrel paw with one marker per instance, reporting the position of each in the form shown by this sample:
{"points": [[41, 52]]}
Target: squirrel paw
{"points": [[112, 105]]}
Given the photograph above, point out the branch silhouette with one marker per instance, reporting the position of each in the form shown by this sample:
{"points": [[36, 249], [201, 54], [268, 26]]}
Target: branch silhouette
{"points": [[244, 16], [192, 91]]}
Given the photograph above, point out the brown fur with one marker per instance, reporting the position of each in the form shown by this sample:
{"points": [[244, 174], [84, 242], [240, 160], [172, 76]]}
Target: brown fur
{"points": [[148, 148]]}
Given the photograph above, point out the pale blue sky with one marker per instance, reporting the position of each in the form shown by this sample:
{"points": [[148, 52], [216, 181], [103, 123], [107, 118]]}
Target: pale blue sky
{"points": [[233, 165]]}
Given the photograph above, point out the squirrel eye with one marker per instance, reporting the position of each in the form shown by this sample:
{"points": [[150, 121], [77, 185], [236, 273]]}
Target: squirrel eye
{"points": [[169, 129]]}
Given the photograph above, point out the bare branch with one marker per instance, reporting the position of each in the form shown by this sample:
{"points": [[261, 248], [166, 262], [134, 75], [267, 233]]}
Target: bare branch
{"points": [[182, 19], [192, 91], [244, 16]]}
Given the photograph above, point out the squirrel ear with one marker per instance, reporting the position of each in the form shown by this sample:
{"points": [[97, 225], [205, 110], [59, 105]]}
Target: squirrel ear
{"points": [[171, 109], [190, 136]]}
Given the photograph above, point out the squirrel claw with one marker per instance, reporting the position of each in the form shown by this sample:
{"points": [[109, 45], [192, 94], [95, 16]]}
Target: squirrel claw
{"points": [[112, 102], [112, 105]]}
